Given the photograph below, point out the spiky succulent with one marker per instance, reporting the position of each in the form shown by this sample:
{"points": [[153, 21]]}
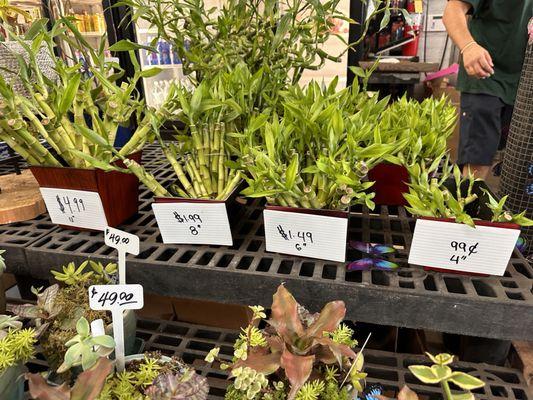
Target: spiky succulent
{"points": [[16, 346], [187, 385], [98, 275]]}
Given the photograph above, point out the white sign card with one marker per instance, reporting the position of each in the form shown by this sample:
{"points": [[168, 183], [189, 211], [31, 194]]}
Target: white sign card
{"points": [[453, 246], [117, 298], [193, 223], [306, 235], [77, 208], [125, 243]]}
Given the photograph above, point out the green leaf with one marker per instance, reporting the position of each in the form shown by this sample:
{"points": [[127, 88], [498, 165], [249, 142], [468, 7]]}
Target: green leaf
{"points": [[69, 94], [36, 28], [126, 45], [385, 20], [105, 341], [149, 73], [82, 327], [424, 374], [443, 372], [462, 396], [291, 173], [93, 137], [441, 359], [465, 381]]}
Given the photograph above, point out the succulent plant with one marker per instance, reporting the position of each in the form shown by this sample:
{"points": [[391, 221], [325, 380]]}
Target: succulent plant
{"points": [[8, 323], [44, 311], [98, 275], [179, 386], [16, 344]]}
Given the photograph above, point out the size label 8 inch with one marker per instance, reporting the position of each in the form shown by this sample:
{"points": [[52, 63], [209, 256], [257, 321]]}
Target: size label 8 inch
{"points": [[306, 235], [193, 223], [116, 297], [77, 208], [459, 247]]}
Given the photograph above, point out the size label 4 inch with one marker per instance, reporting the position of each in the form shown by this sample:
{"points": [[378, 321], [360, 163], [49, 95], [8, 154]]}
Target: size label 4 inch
{"points": [[306, 235], [193, 223], [77, 208], [448, 245], [116, 297]]}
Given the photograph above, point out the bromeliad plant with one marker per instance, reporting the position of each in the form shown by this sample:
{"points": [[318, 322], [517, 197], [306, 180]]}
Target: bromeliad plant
{"points": [[78, 113], [312, 156], [299, 355], [452, 195]]}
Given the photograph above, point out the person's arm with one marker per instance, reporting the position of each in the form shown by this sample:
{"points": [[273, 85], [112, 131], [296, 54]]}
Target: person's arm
{"points": [[476, 60]]}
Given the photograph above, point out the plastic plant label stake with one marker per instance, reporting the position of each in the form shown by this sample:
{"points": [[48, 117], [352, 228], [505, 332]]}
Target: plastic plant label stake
{"points": [[97, 327], [125, 243], [117, 298], [77, 208], [458, 247], [193, 223], [306, 235]]}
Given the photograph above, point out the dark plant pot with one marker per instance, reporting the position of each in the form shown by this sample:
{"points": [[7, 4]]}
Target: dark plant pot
{"points": [[12, 383], [502, 225], [230, 209], [119, 191], [337, 235], [390, 184]]}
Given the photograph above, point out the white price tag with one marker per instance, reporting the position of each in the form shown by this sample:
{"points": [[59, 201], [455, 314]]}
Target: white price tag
{"points": [[448, 245], [306, 235], [122, 241], [77, 208], [193, 223], [116, 297]]}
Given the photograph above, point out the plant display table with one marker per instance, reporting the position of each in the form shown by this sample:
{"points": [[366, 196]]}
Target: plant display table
{"points": [[246, 274]]}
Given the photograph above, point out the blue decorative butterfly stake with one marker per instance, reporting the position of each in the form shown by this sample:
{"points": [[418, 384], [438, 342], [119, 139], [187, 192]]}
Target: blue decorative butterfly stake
{"points": [[371, 392], [375, 252], [521, 245]]}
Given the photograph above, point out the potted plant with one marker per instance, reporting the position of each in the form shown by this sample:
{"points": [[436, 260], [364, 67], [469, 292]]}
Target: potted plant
{"points": [[66, 130], [454, 198], [424, 128], [299, 355], [59, 308], [311, 160], [16, 348]]}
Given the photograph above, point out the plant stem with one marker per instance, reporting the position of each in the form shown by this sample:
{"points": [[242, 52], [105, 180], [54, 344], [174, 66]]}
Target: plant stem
{"points": [[447, 391]]}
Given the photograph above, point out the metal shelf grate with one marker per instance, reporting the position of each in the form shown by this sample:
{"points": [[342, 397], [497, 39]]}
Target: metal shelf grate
{"points": [[245, 273]]}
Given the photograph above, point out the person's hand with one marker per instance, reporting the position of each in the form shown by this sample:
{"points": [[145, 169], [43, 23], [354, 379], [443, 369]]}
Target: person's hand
{"points": [[478, 62]]}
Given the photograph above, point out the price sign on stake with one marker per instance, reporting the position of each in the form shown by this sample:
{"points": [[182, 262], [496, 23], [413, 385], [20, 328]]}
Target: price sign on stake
{"points": [[193, 223], [448, 245], [125, 243], [75, 208], [117, 298], [306, 235]]}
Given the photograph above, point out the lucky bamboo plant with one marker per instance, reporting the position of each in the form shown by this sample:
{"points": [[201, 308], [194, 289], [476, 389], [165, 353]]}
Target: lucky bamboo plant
{"points": [[452, 195], [299, 355], [312, 156], [72, 120]]}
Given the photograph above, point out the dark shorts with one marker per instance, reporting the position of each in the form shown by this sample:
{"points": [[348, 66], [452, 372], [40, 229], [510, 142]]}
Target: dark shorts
{"points": [[485, 121]]}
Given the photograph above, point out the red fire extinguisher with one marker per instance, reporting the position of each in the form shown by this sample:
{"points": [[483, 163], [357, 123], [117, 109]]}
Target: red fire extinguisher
{"points": [[412, 28]]}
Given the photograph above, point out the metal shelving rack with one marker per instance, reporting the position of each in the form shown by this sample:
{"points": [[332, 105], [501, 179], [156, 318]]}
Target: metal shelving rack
{"points": [[246, 274]]}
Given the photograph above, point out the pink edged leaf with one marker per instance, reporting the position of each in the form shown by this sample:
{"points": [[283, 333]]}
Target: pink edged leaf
{"points": [[298, 369], [90, 383], [275, 343], [329, 319], [285, 318], [335, 349], [407, 394], [27, 311], [263, 363], [40, 390]]}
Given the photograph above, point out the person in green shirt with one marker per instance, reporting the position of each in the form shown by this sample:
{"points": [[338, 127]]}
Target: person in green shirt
{"points": [[492, 37]]}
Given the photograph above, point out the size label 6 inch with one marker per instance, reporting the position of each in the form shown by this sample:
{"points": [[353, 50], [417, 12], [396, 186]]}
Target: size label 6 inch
{"points": [[116, 297], [77, 208], [193, 223], [306, 235], [448, 245]]}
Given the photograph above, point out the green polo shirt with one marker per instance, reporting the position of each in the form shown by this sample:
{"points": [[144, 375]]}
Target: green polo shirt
{"points": [[500, 26]]}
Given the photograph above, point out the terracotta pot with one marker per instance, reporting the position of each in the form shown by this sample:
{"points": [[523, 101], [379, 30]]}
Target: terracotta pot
{"points": [[12, 383], [390, 184], [119, 191]]}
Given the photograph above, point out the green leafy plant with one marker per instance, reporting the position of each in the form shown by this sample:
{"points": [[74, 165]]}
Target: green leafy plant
{"points": [[296, 356], [441, 373], [85, 349], [312, 156], [16, 344], [98, 275], [78, 113], [452, 195]]}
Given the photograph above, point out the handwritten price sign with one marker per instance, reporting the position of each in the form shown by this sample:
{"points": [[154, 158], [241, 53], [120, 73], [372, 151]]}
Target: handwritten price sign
{"points": [[75, 208], [307, 235], [458, 247], [193, 223]]}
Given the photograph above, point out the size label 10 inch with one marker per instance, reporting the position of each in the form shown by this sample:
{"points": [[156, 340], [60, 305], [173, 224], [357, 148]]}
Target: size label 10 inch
{"points": [[459, 247], [116, 297], [306, 235], [77, 208], [193, 223]]}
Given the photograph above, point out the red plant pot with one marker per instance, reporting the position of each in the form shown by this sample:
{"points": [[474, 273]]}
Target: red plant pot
{"points": [[390, 184], [118, 191]]}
